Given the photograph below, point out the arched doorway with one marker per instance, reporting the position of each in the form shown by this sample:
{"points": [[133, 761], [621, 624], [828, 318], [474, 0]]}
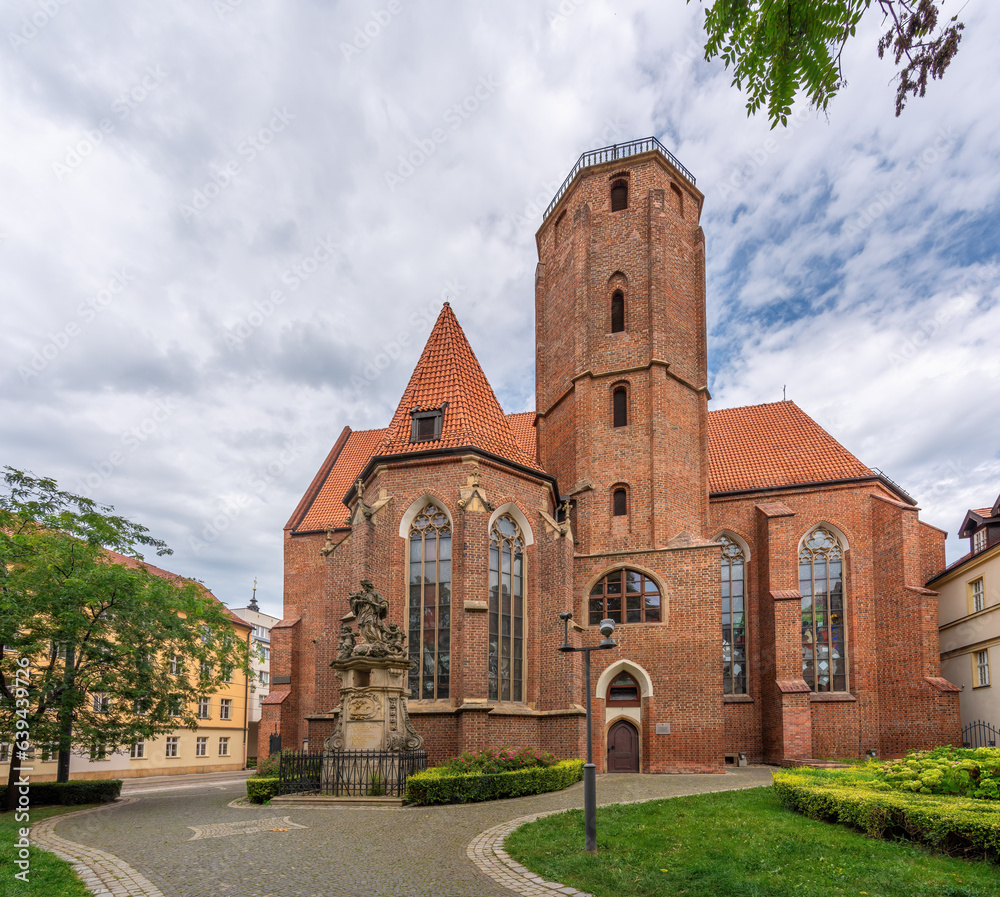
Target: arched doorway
{"points": [[623, 747]]}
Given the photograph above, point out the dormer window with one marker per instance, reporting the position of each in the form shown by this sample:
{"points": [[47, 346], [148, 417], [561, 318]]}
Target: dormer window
{"points": [[425, 426], [979, 540]]}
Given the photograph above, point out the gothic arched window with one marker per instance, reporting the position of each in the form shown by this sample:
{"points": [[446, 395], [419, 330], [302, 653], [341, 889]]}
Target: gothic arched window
{"points": [[617, 311], [430, 603], [505, 664], [619, 196], [824, 634], [734, 628], [624, 691], [619, 406], [625, 596]]}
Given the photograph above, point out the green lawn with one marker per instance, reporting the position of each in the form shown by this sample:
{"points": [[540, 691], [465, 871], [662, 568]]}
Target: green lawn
{"points": [[737, 844], [47, 875]]}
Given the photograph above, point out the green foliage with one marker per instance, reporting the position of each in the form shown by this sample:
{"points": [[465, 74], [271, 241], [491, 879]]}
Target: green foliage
{"points": [[251, 762], [776, 48], [442, 785], [85, 622], [269, 766], [741, 842], [49, 874], [96, 791], [865, 801], [261, 789], [966, 772], [503, 760]]}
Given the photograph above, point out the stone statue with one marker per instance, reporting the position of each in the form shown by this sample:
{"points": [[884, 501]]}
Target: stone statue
{"points": [[370, 609], [394, 640], [345, 642]]}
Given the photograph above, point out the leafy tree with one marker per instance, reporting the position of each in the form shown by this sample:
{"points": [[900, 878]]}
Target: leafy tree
{"points": [[89, 631], [777, 47]]}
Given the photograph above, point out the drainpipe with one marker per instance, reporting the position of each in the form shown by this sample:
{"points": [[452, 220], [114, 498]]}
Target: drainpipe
{"points": [[246, 702]]}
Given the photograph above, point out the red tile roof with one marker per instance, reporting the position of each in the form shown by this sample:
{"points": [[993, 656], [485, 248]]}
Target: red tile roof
{"points": [[522, 425], [135, 563], [762, 446], [448, 371], [328, 509]]}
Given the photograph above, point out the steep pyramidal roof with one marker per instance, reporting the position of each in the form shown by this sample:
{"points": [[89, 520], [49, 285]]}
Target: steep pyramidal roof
{"points": [[448, 372]]}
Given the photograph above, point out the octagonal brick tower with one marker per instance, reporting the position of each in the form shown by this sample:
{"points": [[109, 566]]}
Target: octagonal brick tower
{"points": [[620, 308]]}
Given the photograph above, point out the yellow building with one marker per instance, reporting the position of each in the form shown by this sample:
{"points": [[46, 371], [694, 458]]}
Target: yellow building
{"points": [[218, 744], [969, 618]]}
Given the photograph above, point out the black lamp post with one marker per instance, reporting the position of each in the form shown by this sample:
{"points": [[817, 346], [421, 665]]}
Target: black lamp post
{"points": [[589, 770]]}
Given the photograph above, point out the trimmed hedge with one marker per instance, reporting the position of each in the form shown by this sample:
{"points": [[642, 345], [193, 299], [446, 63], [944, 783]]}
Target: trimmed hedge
{"points": [[950, 824], [967, 772], [47, 794], [440, 785], [261, 788]]}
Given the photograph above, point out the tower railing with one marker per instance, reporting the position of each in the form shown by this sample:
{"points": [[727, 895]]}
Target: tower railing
{"points": [[610, 154]]}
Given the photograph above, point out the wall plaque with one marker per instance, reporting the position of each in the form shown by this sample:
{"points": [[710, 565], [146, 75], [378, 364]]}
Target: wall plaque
{"points": [[663, 728]]}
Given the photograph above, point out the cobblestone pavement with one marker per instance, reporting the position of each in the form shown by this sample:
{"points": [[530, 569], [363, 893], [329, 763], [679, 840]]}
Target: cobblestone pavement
{"points": [[332, 851]]}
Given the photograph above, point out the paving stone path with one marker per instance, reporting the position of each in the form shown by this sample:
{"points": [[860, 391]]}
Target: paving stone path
{"points": [[143, 846]]}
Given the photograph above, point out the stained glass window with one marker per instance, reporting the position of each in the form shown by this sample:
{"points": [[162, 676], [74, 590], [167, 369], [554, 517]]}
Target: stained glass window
{"points": [[505, 663], [824, 634], [734, 628], [429, 621]]}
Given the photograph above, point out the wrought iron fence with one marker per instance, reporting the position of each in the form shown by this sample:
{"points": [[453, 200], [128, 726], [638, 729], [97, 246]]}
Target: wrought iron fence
{"points": [[299, 772], [610, 154], [348, 773], [979, 734]]}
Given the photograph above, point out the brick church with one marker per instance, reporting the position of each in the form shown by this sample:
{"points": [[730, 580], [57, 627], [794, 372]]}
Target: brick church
{"points": [[767, 586]]}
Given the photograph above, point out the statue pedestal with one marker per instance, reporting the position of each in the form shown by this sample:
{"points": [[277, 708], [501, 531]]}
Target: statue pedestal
{"points": [[373, 715]]}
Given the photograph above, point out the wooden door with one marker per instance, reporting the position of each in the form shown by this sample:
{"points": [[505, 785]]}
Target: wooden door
{"points": [[623, 747]]}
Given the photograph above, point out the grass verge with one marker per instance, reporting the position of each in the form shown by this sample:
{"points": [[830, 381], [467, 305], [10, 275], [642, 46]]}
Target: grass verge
{"points": [[736, 843], [47, 874]]}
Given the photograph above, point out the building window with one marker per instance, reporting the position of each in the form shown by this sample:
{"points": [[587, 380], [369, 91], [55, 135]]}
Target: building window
{"points": [[4, 752], [98, 750], [982, 668], [174, 705], [175, 666], [425, 426], [734, 634], [227, 673], [267, 655], [201, 746], [138, 750], [979, 540], [223, 747], [619, 402], [50, 751], [978, 596], [619, 196], [639, 594], [430, 604], [264, 677], [617, 312], [170, 749], [206, 671], [619, 502], [624, 691], [140, 706], [506, 645], [102, 703], [226, 708], [204, 707], [824, 635], [206, 635]]}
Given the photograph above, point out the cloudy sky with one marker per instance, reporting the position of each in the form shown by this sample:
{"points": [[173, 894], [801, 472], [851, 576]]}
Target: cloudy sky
{"points": [[227, 228]]}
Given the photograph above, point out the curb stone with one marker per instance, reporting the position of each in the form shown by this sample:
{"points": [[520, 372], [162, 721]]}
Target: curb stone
{"points": [[103, 873]]}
